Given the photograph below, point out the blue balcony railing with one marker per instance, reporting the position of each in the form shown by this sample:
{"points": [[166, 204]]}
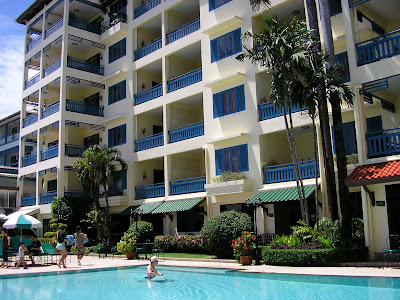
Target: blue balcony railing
{"points": [[83, 65], [186, 186], [184, 80], [29, 159], [57, 25], [29, 120], [9, 138], [34, 43], [374, 49], [149, 142], [52, 109], [147, 49], [149, 94], [183, 31], [269, 111], [145, 7], [77, 194], [51, 68], [28, 200], [80, 24], [353, 3], [150, 191], [74, 150], [384, 142], [48, 197], [83, 108], [32, 81], [186, 132], [49, 153], [282, 173]]}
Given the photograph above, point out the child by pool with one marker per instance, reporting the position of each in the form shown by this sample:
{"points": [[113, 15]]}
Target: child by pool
{"points": [[151, 268]]}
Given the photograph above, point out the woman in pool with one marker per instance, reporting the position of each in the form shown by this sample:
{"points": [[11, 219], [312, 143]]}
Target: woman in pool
{"points": [[151, 268]]}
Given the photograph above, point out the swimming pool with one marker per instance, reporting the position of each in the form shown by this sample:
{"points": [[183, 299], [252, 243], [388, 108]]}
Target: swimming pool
{"points": [[196, 283]]}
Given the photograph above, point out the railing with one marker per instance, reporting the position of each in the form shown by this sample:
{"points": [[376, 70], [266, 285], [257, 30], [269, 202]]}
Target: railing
{"points": [[269, 111], [113, 20], [149, 94], [50, 69], [85, 66], [149, 142], [52, 109], [57, 25], [374, 49], [186, 186], [184, 80], [34, 43], [145, 7], [74, 150], [282, 173], [77, 194], [32, 80], [29, 120], [49, 153], [80, 24], [147, 49], [265, 239], [48, 197], [28, 200], [150, 191], [186, 132], [29, 159], [183, 31], [353, 3], [83, 108], [384, 142], [9, 138]]}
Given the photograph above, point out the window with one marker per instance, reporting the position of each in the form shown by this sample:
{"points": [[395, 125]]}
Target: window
{"points": [[52, 185], [231, 159], [118, 182], [342, 59], [226, 45], [349, 135], [118, 7], [117, 50], [335, 7], [213, 4], [229, 101], [117, 92], [374, 124], [117, 136]]}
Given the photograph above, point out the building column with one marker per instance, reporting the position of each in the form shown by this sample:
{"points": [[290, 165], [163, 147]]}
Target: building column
{"points": [[167, 174]]}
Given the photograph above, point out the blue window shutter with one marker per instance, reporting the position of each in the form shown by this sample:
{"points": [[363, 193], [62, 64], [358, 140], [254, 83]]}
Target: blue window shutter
{"points": [[240, 99], [333, 141], [219, 161], [110, 53], [216, 111], [110, 137], [123, 88], [214, 50], [374, 124], [243, 158], [123, 134], [211, 4], [123, 47], [237, 43], [349, 138], [124, 183], [110, 95]]}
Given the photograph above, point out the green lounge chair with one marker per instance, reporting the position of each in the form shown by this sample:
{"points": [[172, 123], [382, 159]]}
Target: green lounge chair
{"points": [[49, 251]]}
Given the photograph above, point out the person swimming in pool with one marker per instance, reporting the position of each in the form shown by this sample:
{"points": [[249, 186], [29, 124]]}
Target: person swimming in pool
{"points": [[151, 268]]}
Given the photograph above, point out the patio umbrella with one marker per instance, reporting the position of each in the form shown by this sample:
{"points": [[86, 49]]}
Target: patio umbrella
{"points": [[22, 222]]}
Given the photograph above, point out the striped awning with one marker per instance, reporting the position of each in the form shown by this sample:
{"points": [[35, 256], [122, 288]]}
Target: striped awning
{"points": [[288, 194], [147, 208], [127, 211], [177, 205]]}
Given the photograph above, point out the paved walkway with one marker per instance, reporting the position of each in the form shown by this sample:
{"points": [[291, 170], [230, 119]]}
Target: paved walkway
{"points": [[94, 262]]}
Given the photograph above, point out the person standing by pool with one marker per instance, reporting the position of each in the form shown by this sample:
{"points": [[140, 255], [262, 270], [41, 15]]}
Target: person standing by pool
{"points": [[21, 255], [5, 244], [151, 268], [61, 245], [80, 239]]}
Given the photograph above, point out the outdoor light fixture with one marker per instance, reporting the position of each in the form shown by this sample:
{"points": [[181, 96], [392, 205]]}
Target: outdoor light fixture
{"points": [[76, 10]]}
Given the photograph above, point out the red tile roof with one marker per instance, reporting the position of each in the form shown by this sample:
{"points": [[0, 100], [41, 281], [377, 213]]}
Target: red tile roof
{"points": [[374, 174]]}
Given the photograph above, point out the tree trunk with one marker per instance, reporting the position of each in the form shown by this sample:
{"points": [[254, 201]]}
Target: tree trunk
{"points": [[315, 168]]}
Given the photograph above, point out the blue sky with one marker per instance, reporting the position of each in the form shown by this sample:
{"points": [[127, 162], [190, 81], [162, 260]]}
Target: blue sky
{"points": [[11, 55]]}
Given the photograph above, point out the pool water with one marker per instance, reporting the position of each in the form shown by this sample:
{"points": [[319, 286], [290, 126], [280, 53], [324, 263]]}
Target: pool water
{"points": [[195, 283]]}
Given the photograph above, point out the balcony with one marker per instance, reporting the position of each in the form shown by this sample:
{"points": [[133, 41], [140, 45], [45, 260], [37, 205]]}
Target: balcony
{"points": [[184, 80], [77, 194], [53, 67], [183, 31], [145, 7], [32, 81], [57, 25], [85, 66], [114, 20], [29, 159], [284, 173], [150, 191], [269, 111], [52, 109], [149, 142], [29, 120], [149, 94], [147, 49], [383, 143], [49, 153], [80, 24], [74, 150], [83, 108], [34, 43], [10, 138], [28, 200], [374, 49], [186, 186], [48, 197], [353, 3], [186, 132]]}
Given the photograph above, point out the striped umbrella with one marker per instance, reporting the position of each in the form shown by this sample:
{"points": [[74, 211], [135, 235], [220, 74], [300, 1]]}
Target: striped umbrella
{"points": [[22, 222]]}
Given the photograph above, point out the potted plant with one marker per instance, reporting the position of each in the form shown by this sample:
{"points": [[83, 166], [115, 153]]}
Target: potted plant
{"points": [[243, 248], [127, 245]]}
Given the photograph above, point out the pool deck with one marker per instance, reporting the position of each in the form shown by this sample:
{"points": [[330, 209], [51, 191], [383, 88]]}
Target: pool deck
{"points": [[94, 262]]}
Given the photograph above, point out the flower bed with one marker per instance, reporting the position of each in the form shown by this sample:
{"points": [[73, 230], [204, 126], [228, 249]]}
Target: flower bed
{"points": [[180, 243]]}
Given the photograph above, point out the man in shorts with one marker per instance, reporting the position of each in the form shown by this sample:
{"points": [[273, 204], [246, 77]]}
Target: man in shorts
{"points": [[34, 248]]}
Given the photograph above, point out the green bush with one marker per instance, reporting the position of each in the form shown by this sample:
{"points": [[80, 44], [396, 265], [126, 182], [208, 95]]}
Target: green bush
{"points": [[180, 243], [145, 231], [44, 240], [219, 231], [313, 257], [49, 234]]}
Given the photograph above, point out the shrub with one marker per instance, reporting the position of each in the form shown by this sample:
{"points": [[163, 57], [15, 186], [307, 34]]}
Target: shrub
{"points": [[244, 245], [180, 243], [219, 231], [49, 234], [127, 244], [228, 176], [145, 231]]}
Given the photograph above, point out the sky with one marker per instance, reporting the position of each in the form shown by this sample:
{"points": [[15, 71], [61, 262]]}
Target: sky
{"points": [[11, 55]]}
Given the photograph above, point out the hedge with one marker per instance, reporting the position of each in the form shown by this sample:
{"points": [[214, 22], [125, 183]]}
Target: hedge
{"points": [[180, 244], [314, 257]]}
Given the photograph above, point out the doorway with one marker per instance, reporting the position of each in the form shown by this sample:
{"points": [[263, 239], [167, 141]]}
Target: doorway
{"points": [[393, 208]]}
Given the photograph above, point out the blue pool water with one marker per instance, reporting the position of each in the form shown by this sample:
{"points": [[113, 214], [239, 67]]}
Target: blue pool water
{"points": [[196, 283]]}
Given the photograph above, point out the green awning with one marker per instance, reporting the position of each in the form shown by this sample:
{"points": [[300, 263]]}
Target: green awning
{"points": [[127, 211], [288, 194], [177, 205], [147, 208]]}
